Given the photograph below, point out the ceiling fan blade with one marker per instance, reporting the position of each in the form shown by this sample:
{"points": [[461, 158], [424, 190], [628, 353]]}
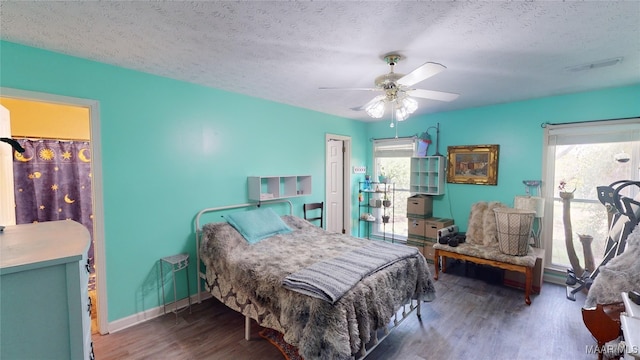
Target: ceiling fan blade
{"points": [[363, 107], [423, 72], [337, 88], [377, 98], [433, 95]]}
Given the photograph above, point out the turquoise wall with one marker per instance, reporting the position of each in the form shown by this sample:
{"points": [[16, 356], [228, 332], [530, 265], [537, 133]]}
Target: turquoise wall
{"points": [[171, 148], [516, 127]]}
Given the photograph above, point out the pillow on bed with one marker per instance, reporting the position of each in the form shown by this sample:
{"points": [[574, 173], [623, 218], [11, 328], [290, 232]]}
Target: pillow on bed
{"points": [[258, 224]]}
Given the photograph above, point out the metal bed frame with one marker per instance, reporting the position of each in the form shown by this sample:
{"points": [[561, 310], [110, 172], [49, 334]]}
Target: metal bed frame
{"points": [[395, 321]]}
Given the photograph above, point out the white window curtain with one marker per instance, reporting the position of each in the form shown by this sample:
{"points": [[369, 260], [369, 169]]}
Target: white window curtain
{"points": [[595, 132], [584, 171], [389, 148]]}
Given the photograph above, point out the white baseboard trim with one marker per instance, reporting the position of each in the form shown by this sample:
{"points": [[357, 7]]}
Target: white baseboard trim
{"points": [[555, 276], [139, 318]]}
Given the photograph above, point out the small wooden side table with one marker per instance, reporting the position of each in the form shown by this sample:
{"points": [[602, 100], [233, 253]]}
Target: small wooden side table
{"points": [[177, 263]]}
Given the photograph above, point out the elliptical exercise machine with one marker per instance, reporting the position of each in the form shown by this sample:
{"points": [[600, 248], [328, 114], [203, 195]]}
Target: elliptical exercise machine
{"points": [[626, 213]]}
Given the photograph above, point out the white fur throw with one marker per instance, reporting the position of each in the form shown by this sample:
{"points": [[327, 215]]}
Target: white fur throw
{"points": [[475, 232], [482, 228], [622, 273]]}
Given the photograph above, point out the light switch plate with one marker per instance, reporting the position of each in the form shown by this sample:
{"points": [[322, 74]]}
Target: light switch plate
{"points": [[359, 169]]}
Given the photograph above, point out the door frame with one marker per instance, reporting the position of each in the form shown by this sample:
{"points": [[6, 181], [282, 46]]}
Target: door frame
{"points": [[346, 178], [96, 185]]}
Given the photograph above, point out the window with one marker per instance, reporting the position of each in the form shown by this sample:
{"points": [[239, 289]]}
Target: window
{"points": [[584, 156], [392, 158]]}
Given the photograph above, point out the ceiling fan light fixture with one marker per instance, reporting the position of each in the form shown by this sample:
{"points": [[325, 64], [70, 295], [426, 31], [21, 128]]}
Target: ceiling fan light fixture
{"points": [[396, 89], [405, 107], [401, 114], [410, 104], [375, 109]]}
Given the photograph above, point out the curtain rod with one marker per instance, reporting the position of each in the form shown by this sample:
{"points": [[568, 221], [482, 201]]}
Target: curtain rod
{"points": [[393, 138], [544, 124], [48, 138]]}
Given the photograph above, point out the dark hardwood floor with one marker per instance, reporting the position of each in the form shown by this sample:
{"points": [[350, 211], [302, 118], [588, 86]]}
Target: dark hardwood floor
{"points": [[470, 319]]}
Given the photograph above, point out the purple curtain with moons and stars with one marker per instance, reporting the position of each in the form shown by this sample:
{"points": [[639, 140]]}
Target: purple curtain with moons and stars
{"points": [[53, 182]]}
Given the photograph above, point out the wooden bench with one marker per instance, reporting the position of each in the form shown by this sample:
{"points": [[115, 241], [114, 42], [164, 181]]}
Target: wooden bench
{"points": [[488, 255]]}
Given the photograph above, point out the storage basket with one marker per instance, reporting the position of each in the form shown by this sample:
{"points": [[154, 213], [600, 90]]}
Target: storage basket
{"points": [[514, 230]]}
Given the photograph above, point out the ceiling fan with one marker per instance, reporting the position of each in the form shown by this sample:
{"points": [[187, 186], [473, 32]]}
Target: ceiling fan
{"points": [[398, 91]]}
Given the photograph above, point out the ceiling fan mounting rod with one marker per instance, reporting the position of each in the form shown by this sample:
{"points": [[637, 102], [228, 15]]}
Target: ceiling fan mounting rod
{"points": [[388, 82], [392, 59]]}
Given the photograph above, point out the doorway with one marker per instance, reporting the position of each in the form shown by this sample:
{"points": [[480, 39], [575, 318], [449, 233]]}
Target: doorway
{"points": [[99, 301], [338, 183]]}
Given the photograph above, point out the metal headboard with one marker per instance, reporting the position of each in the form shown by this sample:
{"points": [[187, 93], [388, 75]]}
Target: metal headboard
{"points": [[198, 230]]}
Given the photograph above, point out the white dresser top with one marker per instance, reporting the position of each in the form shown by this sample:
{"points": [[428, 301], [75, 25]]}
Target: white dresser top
{"points": [[31, 246], [632, 309]]}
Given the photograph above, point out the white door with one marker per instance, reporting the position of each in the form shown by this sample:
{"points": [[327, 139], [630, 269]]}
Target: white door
{"points": [[7, 205], [334, 205], [338, 184]]}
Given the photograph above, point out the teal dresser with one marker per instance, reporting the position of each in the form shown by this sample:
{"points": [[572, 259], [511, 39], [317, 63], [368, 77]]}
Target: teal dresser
{"points": [[44, 301]]}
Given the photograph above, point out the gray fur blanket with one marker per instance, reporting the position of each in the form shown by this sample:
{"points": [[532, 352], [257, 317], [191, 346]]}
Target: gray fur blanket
{"points": [[622, 273], [248, 279]]}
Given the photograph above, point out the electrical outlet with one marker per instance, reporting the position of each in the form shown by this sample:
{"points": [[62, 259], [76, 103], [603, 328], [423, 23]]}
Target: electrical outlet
{"points": [[359, 169]]}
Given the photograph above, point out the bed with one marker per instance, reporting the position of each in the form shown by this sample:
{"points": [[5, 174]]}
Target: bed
{"points": [[252, 279]]}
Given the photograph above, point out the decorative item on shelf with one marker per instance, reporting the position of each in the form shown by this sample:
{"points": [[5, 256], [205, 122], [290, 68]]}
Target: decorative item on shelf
{"points": [[385, 219], [423, 144], [367, 182], [376, 203], [425, 140], [367, 217], [382, 175], [360, 197], [385, 201]]}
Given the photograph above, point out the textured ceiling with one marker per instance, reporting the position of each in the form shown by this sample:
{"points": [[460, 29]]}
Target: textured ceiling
{"points": [[495, 52]]}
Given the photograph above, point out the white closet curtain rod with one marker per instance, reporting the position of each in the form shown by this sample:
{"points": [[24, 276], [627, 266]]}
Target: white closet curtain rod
{"points": [[395, 138], [46, 138], [545, 124]]}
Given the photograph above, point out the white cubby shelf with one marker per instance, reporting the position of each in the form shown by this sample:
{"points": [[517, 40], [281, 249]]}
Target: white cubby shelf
{"points": [[427, 175], [263, 188]]}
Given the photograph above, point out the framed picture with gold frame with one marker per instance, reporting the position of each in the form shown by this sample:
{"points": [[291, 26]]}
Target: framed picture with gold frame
{"points": [[473, 164]]}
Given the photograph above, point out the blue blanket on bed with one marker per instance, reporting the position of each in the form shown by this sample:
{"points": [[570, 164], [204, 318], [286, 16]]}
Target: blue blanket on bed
{"points": [[330, 279]]}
